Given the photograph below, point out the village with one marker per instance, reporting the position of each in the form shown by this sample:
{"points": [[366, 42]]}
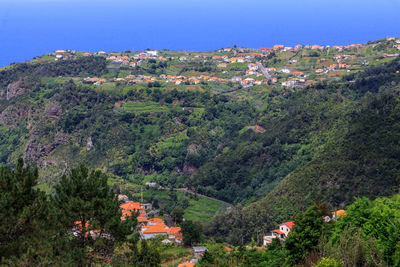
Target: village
{"points": [[282, 66], [150, 226]]}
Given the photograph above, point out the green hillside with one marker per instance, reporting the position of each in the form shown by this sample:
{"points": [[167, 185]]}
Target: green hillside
{"points": [[359, 155], [323, 128]]}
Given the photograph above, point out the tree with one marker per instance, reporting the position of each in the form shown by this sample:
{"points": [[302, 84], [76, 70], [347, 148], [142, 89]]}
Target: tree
{"points": [[305, 235], [86, 203], [24, 211], [146, 256], [177, 215], [192, 232]]}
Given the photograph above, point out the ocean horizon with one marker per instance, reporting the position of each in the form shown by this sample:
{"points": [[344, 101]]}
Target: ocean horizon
{"points": [[30, 28]]}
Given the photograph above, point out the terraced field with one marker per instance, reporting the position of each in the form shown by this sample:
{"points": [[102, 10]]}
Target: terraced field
{"points": [[144, 107]]}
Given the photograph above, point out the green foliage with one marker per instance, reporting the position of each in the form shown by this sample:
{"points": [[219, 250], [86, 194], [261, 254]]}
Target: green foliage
{"points": [[305, 235], [177, 215], [83, 66], [24, 214], [147, 256], [327, 262], [84, 202], [378, 224], [192, 232], [339, 141]]}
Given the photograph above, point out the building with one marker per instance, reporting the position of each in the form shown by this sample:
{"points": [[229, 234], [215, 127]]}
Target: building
{"points": [[282, 232], [278, 47], [147, 206], [198, 251], [285, 70], [338, 214], [123, 198], [148, 232], [152, 184]]}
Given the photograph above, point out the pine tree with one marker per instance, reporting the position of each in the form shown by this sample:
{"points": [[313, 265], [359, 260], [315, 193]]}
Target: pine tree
{"points": [[147, 256], [85, 203], [24, 210]]}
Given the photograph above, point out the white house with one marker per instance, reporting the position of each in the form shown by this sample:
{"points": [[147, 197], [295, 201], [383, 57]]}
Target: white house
{"points": [[148, 232], [281, 233], [285, 70]]}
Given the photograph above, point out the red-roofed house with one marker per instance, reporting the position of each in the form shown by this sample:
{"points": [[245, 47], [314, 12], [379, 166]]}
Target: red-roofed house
{"points": [[281, 233], [151, 231], [129, 207]]}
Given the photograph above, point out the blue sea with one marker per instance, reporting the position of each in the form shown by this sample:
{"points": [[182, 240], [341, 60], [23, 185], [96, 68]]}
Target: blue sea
{"points": [[30, 28]]}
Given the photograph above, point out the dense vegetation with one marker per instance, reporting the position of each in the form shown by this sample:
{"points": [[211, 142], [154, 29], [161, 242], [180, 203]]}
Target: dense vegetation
{"points": [[355, 154], [58, 230], [367, 236]]}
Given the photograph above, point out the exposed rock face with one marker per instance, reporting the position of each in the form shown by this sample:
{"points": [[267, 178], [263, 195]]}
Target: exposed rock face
{"points": [[10, 115], [36, 150], [52, 111], [14, 89]]}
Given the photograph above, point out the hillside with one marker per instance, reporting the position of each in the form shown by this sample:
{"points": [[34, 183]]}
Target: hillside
{"points": [[359, 157], [211, 121]]}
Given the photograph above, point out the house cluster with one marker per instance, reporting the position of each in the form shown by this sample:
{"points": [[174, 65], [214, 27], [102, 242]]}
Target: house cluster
{"points": [[252, 69], [149, 227], [95, 80], [63, 54], [191, 80], [284, 228], [293, 82], [136, 59], [282, 48], [122, 60], [333, 67]]}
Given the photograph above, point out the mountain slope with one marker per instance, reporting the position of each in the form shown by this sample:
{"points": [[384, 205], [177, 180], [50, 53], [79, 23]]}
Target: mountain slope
{"points": [[359, 158]]}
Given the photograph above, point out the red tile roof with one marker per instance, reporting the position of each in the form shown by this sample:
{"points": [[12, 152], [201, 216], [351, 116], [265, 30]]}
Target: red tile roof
{"points": [[278, 231], [290, 224], [159, 228]]}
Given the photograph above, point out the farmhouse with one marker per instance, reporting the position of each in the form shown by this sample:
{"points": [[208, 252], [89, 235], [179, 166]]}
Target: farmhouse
{"points": [[282, 232]]}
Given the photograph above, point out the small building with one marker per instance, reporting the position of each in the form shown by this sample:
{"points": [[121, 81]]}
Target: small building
{"points": [[123, 198], [282, 232], [154, 213], [151, 184], [147, 206], [338, 214], [236, 79], [278, 47], [285, 70], [199, 251], [166, 242]]}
